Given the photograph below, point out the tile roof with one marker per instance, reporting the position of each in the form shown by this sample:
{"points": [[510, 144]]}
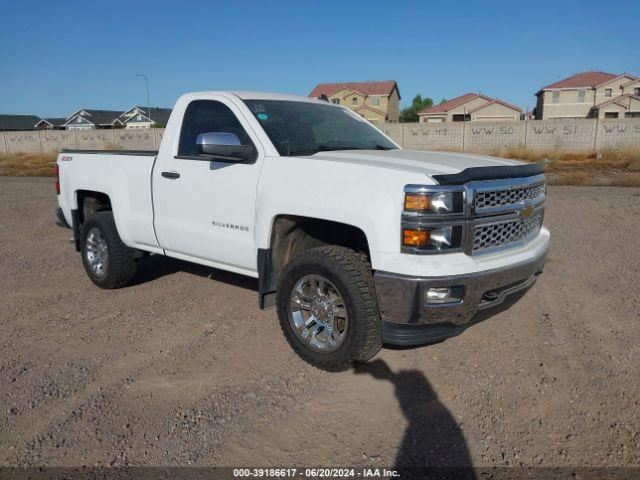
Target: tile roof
{"points": [[619, 100], [584, 79], [498, 101], [454, 102], [366, 88], [18, 122]]}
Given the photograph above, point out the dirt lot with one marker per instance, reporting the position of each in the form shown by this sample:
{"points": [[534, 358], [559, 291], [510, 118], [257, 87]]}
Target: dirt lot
{"points": [[183, 368]]}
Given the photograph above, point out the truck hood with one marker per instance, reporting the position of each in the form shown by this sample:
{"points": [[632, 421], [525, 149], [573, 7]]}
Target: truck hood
{"points": [[417, 161]]}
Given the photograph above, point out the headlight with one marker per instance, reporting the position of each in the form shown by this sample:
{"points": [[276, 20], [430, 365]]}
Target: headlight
{"points": [[434, 202], [432, 239], [433, 218]]}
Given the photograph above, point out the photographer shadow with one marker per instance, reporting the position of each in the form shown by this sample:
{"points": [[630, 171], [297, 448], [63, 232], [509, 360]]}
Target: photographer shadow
{"points": [[433, 441]]}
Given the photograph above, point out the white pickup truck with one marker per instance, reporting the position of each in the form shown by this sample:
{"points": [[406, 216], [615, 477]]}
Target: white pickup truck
{"points": [[357, 242]]}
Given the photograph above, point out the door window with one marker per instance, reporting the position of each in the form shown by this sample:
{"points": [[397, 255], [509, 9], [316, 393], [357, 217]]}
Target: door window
{"points": [[204, 116]]}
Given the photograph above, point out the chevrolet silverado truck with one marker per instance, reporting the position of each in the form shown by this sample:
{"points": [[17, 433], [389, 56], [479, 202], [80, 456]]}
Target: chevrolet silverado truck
{"points": [[357, 242]]}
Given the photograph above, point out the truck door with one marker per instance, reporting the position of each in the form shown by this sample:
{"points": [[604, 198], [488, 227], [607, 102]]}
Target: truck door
{"points": [[205, 208]]}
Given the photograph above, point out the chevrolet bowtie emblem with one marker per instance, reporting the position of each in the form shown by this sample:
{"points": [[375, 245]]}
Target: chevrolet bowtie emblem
{"points": [[527, 211]]}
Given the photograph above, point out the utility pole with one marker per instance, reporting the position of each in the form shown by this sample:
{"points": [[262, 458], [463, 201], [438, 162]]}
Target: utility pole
{"points": [[148, 103]]}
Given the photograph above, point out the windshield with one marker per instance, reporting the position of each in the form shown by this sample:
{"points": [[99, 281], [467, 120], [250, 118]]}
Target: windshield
{"points": [[305, 128]]}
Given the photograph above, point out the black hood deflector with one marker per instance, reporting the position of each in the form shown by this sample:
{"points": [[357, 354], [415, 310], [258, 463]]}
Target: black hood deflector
{"points": [[489, 173]]}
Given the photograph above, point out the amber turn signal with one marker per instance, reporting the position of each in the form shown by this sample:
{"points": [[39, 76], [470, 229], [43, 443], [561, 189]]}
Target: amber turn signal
{"points": [[415, 238], [416, 202]]}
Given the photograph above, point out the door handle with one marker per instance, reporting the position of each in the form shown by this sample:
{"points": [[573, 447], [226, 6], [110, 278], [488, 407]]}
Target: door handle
{"points": [[171, 175]]}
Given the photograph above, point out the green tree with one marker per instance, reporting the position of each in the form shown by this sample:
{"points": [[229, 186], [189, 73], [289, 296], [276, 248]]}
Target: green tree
{"points": [[410, 114]]}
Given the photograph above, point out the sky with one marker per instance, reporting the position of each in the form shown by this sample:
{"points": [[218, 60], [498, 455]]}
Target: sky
{"points": [[59, 56]]}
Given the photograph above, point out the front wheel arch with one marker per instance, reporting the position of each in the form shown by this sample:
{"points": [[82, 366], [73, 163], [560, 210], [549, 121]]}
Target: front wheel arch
{"points": [[291, 235]]}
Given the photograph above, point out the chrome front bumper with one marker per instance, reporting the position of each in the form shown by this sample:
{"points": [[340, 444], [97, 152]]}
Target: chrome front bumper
{"points": [[408, 320]]}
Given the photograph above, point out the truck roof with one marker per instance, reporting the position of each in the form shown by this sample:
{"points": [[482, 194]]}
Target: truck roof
{"points": [[250, 95]]}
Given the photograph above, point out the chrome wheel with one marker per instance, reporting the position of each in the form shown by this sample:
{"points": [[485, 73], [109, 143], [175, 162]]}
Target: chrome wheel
{"points": [[96, 252], [317, 313]]}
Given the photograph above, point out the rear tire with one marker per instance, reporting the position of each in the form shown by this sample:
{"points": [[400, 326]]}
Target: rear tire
{"points": [[348, 327], [108, 262]]}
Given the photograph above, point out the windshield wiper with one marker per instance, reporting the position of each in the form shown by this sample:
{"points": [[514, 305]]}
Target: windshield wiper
{"points": [[321, 148], [332, 148]]}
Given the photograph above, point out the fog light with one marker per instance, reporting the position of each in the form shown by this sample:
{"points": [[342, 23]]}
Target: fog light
{"points": [[444, 295]]}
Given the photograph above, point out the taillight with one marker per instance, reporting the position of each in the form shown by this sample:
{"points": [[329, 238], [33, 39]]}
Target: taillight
{"points": [[57, 169]]}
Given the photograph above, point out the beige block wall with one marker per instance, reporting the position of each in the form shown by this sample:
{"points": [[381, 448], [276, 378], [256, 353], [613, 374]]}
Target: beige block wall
{"points": [[493, 135], [158, 134], [135, 139], [393, 130], [424, 136], [3, 144], [569, 134], [56, 140], [96, 139], [572, 134], [616, 133], [23, 142]]}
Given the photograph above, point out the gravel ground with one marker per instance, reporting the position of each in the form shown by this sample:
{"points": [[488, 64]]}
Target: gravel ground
{"points": [[184, 369]]}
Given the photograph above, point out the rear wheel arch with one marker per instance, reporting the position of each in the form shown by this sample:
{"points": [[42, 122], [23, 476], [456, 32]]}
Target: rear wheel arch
{"points": [[90, 202]]}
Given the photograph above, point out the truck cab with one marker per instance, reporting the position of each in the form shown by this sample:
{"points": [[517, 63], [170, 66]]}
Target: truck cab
{"points": [[357, 242]]}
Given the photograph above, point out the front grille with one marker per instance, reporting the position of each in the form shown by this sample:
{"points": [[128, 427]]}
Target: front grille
{"points": [[501, 198], [497, 234]]}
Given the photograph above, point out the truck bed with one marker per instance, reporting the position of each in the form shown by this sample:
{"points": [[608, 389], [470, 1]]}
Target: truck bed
{"points": [[125, 177]]}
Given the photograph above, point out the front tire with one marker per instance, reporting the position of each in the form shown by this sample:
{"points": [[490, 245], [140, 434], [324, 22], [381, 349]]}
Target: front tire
{"points": [[108, 262], [327, 308]]}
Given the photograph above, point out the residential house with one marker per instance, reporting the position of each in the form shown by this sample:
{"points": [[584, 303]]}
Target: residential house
{"points": [[18, 122], [470, 107], [623, 106], [590, 94], [51, 123], [138, 117], [378, 102], [88, 119]]}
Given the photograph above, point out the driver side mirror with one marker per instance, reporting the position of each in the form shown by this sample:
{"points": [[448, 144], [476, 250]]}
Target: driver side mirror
{"points": [[225, 147]]}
